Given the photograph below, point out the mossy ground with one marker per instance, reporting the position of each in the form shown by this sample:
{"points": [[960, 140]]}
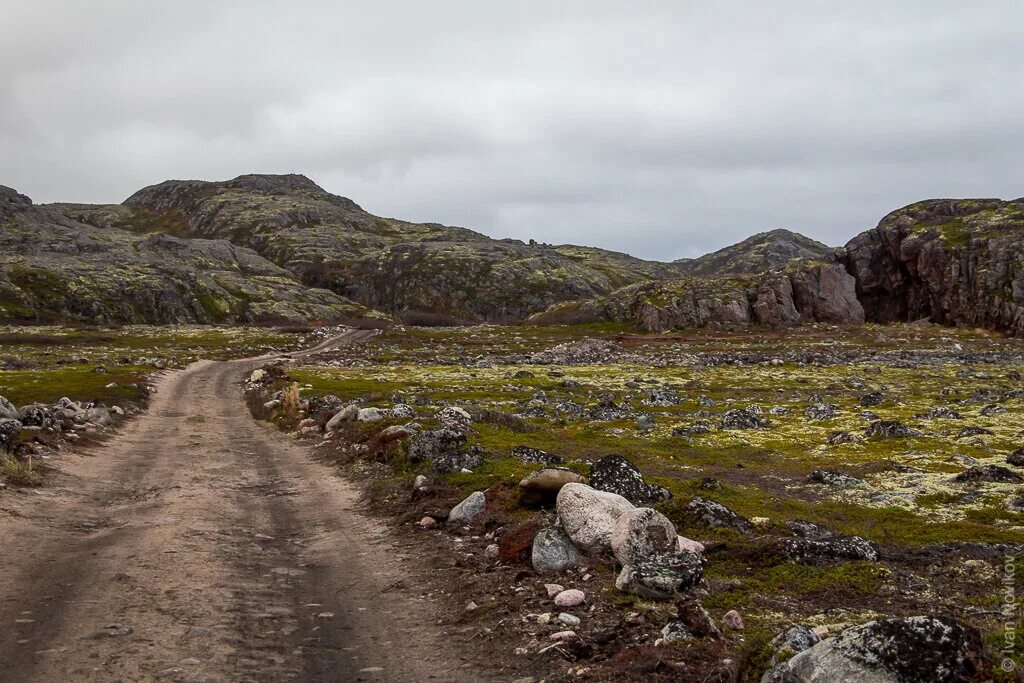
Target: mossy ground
{"points": [[907, 503]]}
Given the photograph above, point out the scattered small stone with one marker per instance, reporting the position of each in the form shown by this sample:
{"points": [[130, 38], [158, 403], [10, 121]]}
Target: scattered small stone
{"points": [[553, 589], [732, 620], [112, 631], [570, 598], [569, 620]]}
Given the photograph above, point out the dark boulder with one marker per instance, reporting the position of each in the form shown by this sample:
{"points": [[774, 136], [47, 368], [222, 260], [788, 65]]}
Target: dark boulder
{"points": [[615, 474], [890, 429], [662, 577], [988, 473], [536, 456], [741, 418], [706, 512], [443, 449], [810, 550]]}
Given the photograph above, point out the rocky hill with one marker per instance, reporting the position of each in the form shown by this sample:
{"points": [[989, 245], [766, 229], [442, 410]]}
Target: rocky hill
{"points": [[756, 254], [262, 248], [56, 268], [420, 272], [953, 261]]}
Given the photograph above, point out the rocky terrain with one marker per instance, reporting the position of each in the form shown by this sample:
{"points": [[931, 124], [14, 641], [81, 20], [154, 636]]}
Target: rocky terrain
{"points": [[56, 268], [820, 504], [266, 249], [756, 254]]}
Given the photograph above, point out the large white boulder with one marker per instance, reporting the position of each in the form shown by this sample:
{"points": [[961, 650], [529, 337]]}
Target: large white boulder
{"points": [[589, 516]]}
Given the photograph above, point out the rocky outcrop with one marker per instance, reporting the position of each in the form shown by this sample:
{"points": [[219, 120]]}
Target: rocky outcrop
{"points": [[756, 254], [55, 268], [819, 291], [954, 262]]}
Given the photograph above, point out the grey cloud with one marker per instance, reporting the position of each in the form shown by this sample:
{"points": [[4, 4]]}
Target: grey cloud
{"points": [[664, 129]]}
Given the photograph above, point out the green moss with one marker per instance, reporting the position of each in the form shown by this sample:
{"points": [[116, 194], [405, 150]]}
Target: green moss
{"points": [[216, 308]]}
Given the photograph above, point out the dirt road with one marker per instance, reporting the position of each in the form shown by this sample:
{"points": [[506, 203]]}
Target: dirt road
{"points": [[201, 545]]}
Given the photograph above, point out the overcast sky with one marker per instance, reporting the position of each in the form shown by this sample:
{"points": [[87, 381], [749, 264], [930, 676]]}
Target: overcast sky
{"points": [[665, 129]]}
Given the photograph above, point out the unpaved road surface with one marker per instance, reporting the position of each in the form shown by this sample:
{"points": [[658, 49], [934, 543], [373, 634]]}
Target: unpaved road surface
{"points": [[200, 545]]}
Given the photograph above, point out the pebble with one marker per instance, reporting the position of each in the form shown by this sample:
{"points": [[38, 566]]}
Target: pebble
{"points": [[732, 620], [570, 598], [553, 589], [491, 551], [563, 635], [569, 619], [428, 523]]}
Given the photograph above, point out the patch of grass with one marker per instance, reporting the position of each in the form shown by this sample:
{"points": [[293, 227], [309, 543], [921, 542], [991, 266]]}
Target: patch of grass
{"points": [[19, 473]]}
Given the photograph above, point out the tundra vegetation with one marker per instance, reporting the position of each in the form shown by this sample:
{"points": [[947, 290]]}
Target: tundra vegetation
{"points": [[899, 439]]}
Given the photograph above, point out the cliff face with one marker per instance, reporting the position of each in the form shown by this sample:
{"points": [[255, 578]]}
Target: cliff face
{"points": [[955, 262], [56, 268], [815, 291]]}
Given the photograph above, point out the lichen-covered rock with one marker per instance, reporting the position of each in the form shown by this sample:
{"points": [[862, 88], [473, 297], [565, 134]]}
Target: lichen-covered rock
{"points": [[922, 649], [890, 429], [7, 409], [640, 533], [662, 577], [988, 473], [712, 514], [589, 516], [741, 418], [834, 479], [615, 474], [871, 400], [444, 450], [347, 414], [535, 455], [830, 548], [469, 509], [394, 433], [402, 411], [554, 552], [550, 480], [38, 415], [369, 415], [454, 417], [9, 428], [820, 412]]}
